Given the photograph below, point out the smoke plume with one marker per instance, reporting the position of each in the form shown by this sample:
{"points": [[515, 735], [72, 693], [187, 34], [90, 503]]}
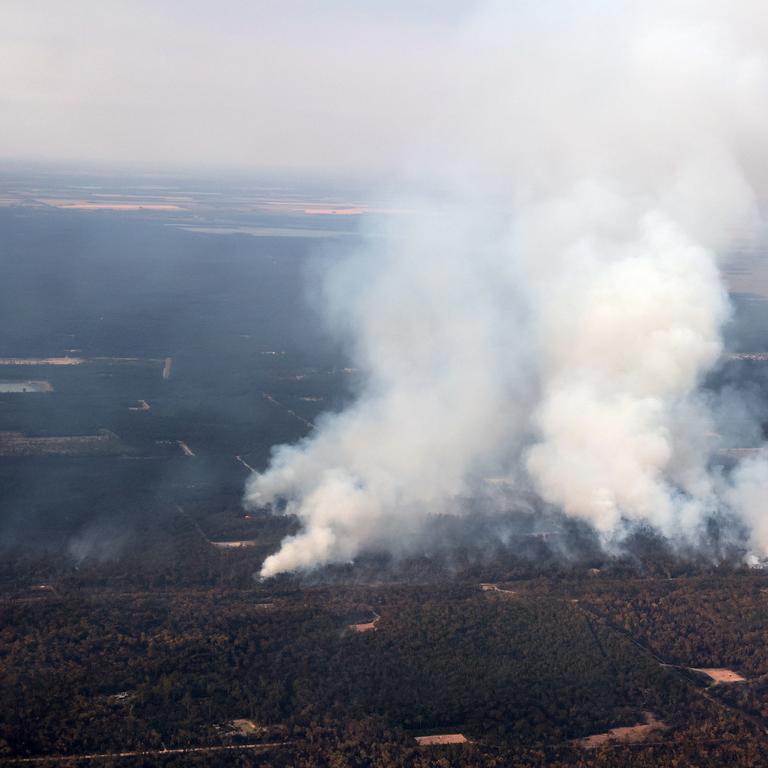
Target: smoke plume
{"points": [[549, 317]]}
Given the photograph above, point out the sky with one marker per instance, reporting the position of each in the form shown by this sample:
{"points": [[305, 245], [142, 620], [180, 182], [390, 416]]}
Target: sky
{"points": [[352, 87], [336, 85]]}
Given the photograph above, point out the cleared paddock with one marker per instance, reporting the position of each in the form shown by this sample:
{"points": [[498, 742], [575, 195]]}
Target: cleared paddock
{"points": [[441, 738], [720, 674], [8, 386], [627, 734]]}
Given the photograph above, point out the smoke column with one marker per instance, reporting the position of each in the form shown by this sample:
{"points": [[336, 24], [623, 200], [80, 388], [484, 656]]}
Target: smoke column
{"points": [[550, 318]]}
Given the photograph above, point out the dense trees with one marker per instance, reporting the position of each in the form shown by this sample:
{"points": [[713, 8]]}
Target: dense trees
{"points": [[102, 670]]}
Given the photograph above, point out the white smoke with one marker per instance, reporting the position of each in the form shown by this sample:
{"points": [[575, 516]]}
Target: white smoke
{"points": [[552, 322]]}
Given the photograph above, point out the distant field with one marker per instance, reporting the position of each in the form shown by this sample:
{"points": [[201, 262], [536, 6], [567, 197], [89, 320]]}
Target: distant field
{"points": [[9, 386], [721, 675], [627, 734], [18, 444], [41, 360]]}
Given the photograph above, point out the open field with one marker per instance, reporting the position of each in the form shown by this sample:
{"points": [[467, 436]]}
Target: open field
{"points": [[18, 444], [628, 734], [9, 386], [721, 675], [185, 449], [82, 205], [440, 739], [246, 727], [235, 544], [366, 626], [41, 360]]}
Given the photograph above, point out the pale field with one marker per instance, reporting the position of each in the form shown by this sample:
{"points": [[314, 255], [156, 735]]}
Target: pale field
{"points": [[8, 386], [721, 674], [442, 738], [85, 205], [631, 733], [366, 627], [19, 444], [185, 448], [41, 360], [246, 727]]}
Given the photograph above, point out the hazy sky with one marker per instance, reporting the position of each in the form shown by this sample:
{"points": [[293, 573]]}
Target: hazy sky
{"points": [[356, 86], [331, 85]]}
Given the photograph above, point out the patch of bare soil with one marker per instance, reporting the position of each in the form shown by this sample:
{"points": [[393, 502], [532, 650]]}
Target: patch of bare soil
{"points": [[627, 734], [22, 387], [246, 727], [721, 674], [366, 626], [441, 738], [85, 205]]}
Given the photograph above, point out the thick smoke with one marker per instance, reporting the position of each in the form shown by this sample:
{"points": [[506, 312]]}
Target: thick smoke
{"points": [[549, 319]]}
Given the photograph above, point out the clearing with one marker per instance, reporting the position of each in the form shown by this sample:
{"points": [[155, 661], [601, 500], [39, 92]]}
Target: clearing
{"points": [[185, 448], [366, 626], [441, 738], [631, 733], [245, 727], [41, 360], [627, 734], [19, 444], [234, 544], [8, 386], [720, 674], [496, 588]]}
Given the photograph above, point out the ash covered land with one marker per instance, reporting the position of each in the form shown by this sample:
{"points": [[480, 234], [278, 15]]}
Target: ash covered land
{"points": [[155, 364]]}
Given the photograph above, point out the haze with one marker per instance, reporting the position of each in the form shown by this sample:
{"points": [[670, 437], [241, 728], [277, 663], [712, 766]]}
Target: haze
{"points": [[249, 85]]}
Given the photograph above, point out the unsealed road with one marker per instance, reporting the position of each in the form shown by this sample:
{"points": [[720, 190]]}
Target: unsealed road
{"points": [[59, 759]]}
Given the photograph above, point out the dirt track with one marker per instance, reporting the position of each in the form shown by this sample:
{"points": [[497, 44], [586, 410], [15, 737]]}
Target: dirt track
{"points": [[63, 759]]}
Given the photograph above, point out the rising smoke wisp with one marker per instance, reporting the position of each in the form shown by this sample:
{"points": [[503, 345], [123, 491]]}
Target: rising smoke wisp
{"points": [[551, 318]]}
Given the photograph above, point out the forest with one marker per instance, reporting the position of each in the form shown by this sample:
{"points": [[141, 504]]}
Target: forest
{"points": [[125, 626]]}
